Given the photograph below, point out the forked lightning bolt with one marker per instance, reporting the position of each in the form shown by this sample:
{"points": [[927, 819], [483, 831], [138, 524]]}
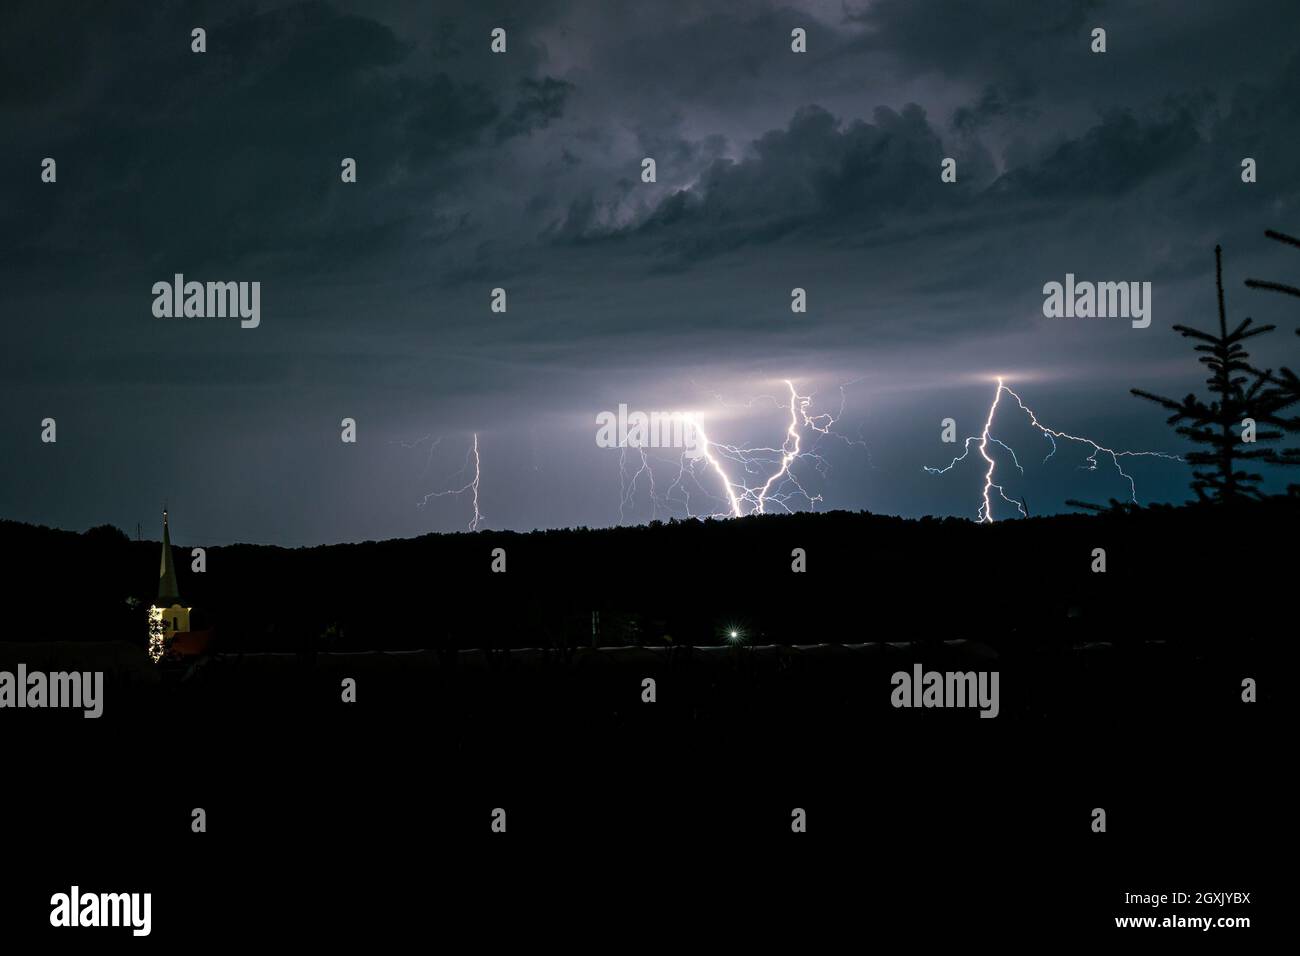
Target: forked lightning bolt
{"points": [[751, 480], [472, 461], [985, 439]]}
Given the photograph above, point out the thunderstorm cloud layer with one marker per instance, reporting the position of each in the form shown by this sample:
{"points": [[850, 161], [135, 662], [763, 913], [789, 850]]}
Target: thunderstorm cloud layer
{"points": [[523, 171]]}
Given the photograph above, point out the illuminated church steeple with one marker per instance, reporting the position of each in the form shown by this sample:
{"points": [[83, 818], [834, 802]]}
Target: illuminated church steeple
{"points": [[168, 616], [168, 591]]}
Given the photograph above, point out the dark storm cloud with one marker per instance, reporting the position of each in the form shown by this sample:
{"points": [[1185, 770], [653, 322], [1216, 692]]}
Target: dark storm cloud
{"points": [[1011, 52], [821, 177], [816, 171], [539, 102], [237, 159], [1116, 156], [992, 104], [775, 170], [1000, 40]]}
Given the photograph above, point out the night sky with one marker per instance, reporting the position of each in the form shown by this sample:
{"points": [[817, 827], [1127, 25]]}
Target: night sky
{"points": [[775, 170]]}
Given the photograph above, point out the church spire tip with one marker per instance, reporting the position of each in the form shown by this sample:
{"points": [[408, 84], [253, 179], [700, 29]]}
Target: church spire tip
{"points": [[168, 592]]}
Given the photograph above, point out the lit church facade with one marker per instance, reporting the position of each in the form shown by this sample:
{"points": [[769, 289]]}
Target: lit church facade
{"points": [[169, 616]]}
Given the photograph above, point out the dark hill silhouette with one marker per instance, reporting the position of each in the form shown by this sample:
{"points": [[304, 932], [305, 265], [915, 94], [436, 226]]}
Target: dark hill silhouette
{"points": [[869, 578]]}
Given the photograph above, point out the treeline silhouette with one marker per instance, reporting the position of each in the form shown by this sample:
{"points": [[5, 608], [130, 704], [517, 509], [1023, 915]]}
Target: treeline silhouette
{"points": [[869, 578]]}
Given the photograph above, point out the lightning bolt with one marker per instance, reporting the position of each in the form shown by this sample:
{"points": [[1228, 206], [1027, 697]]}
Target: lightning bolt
{"points": [[471, 486], [751, 480], [985, 439], [417, 443]]}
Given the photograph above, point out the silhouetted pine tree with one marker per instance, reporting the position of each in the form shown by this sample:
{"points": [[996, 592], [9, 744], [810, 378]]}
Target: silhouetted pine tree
{"points": [[1282, 393], [1218, 423], [1277, 286]]}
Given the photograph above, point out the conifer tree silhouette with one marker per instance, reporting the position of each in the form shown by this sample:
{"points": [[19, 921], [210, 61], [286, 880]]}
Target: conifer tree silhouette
{"points": [[1282, 392], [1218, 423], [1277, 286]]}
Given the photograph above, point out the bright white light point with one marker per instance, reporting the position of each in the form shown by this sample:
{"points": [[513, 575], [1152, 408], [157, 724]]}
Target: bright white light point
{"points": [[735, 634]]}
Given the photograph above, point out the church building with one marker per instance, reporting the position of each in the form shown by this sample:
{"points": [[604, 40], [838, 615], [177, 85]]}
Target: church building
{"points": [[169, 616]]}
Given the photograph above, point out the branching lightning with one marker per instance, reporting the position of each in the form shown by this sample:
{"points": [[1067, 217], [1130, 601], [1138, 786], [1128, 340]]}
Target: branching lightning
{"points": [[737, 480], [985, 439], [732, 480], [418, 442], [473, 464]]}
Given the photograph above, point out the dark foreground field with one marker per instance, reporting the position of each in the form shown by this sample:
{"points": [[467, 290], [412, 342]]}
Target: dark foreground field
{"points": [[372, 819], [334, 822]]}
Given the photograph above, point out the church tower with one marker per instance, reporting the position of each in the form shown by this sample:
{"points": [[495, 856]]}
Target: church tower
{"points": [[168, 615]]}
